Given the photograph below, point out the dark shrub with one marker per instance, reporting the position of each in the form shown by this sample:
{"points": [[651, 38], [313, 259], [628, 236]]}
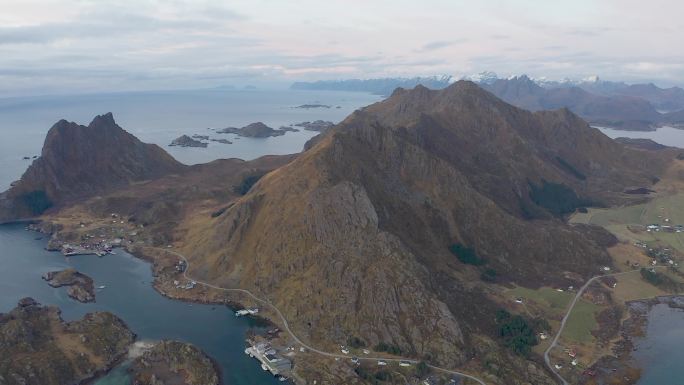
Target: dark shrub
{"points": [[570, 168], [466, 255], [388, 348], [488, 275], [247, 182], [557, 198], [517, 334], [356, 342]]}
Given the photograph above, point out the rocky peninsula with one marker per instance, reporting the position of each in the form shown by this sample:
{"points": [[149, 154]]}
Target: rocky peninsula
{"points": [[81, 286], [37, 347], [172, 362]]}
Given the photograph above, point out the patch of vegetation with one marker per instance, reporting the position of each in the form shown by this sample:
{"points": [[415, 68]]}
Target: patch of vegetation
{"points": [[388, 348], [661, 280], [488, 275], [218, 212], [516, 332], [570, 168], [247, 182], [422, 369], [557, 198], [680, 156], [581, 322], [466, 255], [36, 201], [356, 342], [652, 277], [367, 375]]}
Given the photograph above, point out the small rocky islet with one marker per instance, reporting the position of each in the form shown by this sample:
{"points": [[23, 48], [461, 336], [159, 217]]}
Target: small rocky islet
{"points": [[81, 287]]}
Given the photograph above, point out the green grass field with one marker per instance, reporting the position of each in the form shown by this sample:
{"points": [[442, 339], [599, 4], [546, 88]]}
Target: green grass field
{"points": [[554, 301], [581, 322], [655, 211]]}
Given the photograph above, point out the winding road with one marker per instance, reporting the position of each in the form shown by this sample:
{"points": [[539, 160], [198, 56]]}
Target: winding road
{"points": [[286, 326], [567, 315]]}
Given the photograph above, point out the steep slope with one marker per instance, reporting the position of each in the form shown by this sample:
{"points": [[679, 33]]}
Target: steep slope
{"points": [[667, 99], [351, 239], [675, 118], [80, 161], [621, 111]]}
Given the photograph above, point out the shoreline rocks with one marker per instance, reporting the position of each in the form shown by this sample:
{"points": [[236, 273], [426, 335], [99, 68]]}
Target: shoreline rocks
{"points": [[81, 286]]}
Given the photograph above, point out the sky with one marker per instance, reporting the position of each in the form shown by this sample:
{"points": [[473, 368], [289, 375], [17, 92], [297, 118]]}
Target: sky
{"points": [[71, 46]]}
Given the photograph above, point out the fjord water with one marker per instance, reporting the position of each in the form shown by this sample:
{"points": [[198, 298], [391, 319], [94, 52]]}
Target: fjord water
{"points": [[160, 117], [660, 352], [667, 136], [129, 295]]}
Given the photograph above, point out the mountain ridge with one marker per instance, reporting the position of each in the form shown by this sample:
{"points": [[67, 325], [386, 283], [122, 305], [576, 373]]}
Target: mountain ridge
{"points": [[79, 161]]}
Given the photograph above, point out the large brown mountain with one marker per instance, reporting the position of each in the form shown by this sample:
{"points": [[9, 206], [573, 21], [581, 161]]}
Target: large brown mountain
{"points": [[622, 111], [351, 238], [80, 161]]}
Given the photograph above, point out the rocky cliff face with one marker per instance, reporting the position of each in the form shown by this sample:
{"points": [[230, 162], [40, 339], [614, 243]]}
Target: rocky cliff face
{"points": [[80, 161], [351, 239], [38, 348]]}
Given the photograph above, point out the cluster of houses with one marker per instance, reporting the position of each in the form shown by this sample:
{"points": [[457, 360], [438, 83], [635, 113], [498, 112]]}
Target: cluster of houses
{"points": [[248, 311], [654, 227], [86, 248], [270, 360], [659, 254], [185, 286]]}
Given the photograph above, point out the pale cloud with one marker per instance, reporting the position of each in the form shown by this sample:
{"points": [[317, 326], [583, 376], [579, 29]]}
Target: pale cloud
{"points": [[99, 45]]}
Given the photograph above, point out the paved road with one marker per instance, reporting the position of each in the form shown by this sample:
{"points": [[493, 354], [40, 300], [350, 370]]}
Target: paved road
{"points": [[286, 326], [567, 314]]}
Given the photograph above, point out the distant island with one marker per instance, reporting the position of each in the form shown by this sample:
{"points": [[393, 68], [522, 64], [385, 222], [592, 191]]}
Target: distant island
{"points": [[186, 141], [382, 86], [309, 106], [318, 125], [255, 130]]}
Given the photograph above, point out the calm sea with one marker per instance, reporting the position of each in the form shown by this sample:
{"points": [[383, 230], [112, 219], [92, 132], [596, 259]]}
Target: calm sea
{"points": [[160, 117]]}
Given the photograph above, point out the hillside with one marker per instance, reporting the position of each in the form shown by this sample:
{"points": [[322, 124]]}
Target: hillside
{"points": [[81, 161], [352, 238], [616, 110]]}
